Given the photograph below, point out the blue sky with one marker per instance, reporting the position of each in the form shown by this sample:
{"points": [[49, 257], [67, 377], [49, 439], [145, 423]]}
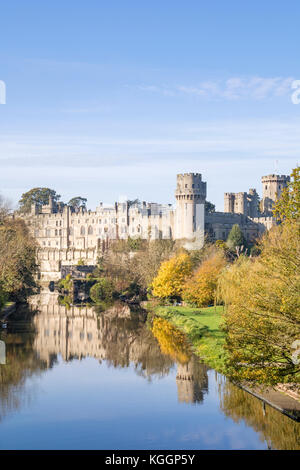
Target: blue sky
{"points": [[112, 99]]}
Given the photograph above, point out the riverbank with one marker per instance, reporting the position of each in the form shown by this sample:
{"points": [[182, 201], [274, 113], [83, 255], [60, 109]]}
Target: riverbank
{"points": [[203, 327]]}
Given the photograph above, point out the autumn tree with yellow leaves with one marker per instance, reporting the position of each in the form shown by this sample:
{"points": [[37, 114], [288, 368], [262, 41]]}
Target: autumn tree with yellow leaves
{"points": [[263, 303], [287, 208], [171, 277], [200, 289]]}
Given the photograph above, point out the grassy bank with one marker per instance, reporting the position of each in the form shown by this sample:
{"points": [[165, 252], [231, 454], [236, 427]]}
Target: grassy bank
{"points": [[203, 329]]}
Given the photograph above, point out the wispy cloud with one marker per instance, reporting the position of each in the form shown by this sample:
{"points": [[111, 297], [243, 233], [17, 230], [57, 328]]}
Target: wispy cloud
{"points": [[231, 155], [234, 88], [156, 89], [246, 139]]}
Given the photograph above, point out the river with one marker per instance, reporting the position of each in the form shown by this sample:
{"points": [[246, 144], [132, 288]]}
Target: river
{"points": [[78, 378]]}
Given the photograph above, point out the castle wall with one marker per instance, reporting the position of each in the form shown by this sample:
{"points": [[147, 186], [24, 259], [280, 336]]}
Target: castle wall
{"points": [[219, 224], [65, 235], [51, 260]]}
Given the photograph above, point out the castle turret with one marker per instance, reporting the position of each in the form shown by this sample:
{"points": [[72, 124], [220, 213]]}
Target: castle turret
{"points": [[253, 203], [273, 186], [190, 206], [242, 203], [229, 199], [34, 209]]}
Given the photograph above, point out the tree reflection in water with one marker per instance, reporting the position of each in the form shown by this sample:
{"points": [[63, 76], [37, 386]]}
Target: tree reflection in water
{"points": [[21, 362], [279, 431], [36, 338]]}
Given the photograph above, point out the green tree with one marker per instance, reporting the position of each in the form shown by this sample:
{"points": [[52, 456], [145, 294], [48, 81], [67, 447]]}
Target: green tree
{"points": [[102, 291], [209, 207], [235, 237], [132, 202], [287, 208], [135, 244], [17, 259], [77, 202], [38, 196]]}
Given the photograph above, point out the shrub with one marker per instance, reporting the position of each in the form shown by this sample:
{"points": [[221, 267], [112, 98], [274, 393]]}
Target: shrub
{"points": [[67, 283], [103, 290]]}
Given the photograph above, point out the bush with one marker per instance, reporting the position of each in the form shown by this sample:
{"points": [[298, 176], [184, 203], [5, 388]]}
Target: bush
{"points": [[133, 290], [67, 283], [103, 290]]}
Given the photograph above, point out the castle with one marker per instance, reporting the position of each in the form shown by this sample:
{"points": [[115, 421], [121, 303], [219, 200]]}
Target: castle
{"points": [[66, 235]]}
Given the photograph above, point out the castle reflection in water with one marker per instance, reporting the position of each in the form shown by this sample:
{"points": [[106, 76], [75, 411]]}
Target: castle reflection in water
{"points": [[118, 336]]}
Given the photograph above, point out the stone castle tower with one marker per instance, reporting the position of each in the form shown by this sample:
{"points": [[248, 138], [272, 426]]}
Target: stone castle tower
{"points": [[242, 203], [273, 186], [190, 207]]}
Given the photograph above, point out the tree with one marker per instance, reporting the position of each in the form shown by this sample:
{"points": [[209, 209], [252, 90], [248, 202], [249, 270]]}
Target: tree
{"points": [[77, 202], [200, 289], [263, 309], [123, 268], [38, 196], [102, 291], [4, 209], [209, 207], [287, 208], [135, 244], [17, 259], [235, 237], [171, 277], [132, 202], [146, 263]]}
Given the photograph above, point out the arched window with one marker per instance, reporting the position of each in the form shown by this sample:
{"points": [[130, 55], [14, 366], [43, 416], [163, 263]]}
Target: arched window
{"points": [[71, 231], [82, 230], [90, 230]]}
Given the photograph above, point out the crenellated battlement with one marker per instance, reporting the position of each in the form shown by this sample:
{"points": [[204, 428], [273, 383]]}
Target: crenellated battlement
{"points": [[275, 178]]}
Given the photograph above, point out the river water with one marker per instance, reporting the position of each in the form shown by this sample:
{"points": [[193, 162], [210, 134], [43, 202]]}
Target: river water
{"points": [[76, 378]]}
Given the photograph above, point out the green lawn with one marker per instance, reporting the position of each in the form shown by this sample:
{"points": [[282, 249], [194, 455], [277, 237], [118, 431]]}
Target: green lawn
{"points": [[203, 328]]}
